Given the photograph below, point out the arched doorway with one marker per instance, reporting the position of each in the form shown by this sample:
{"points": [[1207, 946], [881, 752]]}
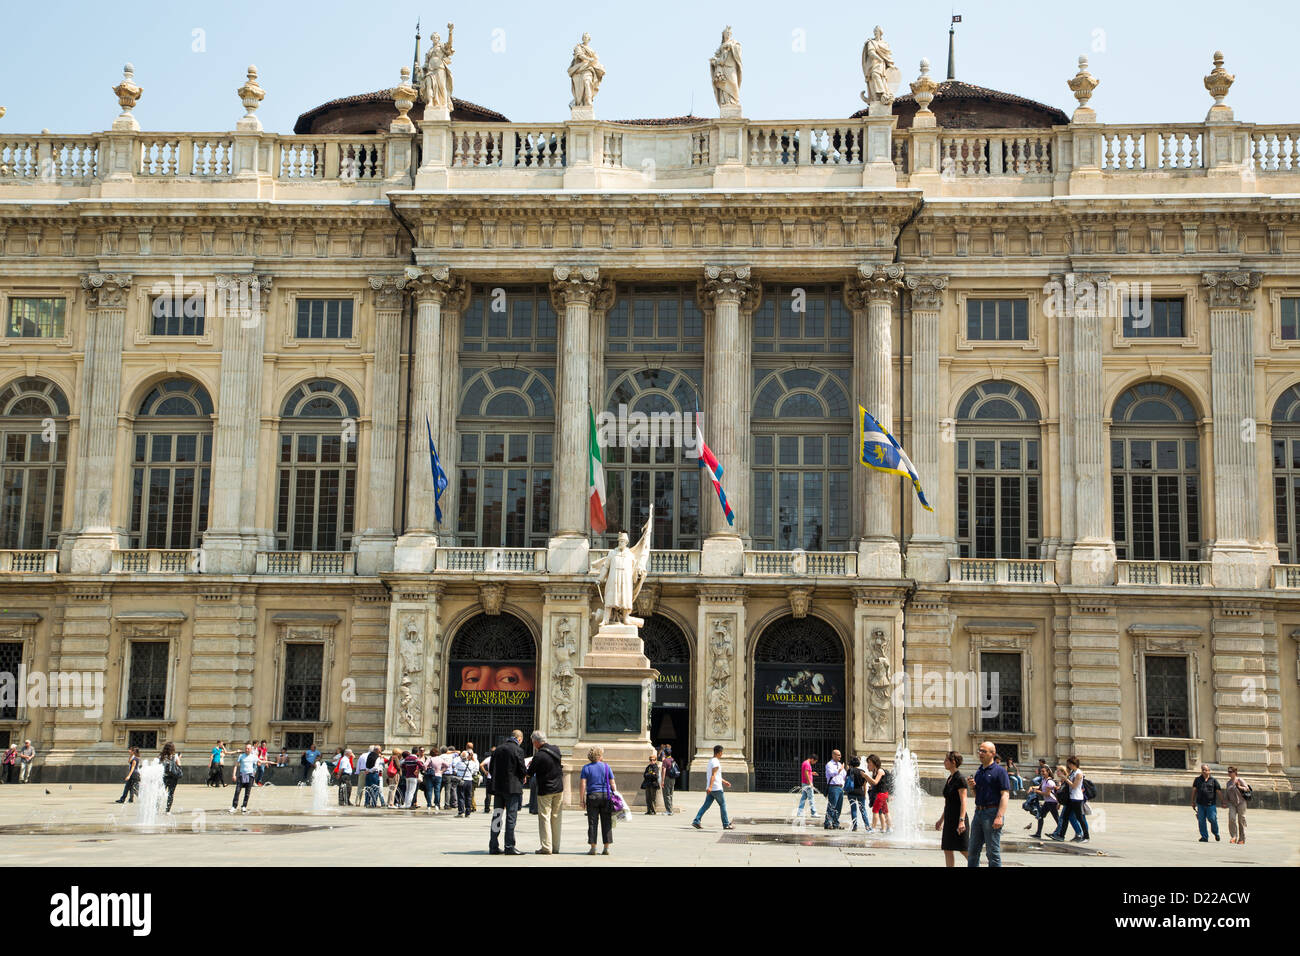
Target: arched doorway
{"points": [[491, 681], [799, 699], [670, 713]]}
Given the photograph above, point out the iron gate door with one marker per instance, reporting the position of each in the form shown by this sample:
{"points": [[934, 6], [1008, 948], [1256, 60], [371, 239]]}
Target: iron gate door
{"points": [[783, 738]]}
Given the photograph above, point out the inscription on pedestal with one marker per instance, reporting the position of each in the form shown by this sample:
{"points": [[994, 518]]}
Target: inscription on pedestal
{"points": [[613, 709], [616, 645]]}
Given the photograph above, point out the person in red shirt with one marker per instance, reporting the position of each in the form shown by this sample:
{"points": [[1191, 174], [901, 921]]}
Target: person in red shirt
{"points": [[806, 789], [261, 762]]}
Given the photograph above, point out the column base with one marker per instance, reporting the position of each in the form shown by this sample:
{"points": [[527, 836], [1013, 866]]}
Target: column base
{"points": [[92, 551], [722, 554], [927, 560], [375, 552], [227, 552], [1092, 563], [879, 558], [1241, 566], [568, 554], [414, 552]]}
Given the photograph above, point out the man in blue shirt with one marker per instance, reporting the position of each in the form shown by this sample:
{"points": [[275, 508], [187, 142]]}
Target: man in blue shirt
{"points": [[992, 789], [309, 757], [245, 774]]}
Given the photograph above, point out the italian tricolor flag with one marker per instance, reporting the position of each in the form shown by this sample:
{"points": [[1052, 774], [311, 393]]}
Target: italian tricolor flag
{"points": [[596, 480]]}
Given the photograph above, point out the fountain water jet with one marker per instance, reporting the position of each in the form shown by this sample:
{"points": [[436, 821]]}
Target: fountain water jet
{"points": [[153, 794], [320, 786]]}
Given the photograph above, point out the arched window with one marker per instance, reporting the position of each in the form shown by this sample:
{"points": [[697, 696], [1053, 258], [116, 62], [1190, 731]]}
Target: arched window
{"points": [[649, 462], [800, 459], [1286, 474], [171, 476], [1155, 475], [33, 433], [507, 428], [999, 480], [317, 488]]}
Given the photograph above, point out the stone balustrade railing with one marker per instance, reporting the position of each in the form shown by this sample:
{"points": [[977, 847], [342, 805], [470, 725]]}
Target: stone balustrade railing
{"points": [[492, 560], [29, 562], [798, 563], [1163, 573], [306, 562], [1286, 577], [1001, 571], [664, 562], [156, 561]]}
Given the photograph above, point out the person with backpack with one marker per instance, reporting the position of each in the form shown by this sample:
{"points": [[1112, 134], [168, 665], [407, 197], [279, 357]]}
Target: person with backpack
{"points": [[546, 771], [172, 772], [882, 785], [855, 788], [1074, 803], [671, 773]]}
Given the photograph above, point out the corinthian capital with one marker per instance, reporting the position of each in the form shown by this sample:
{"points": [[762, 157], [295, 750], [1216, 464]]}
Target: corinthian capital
{"points": [[1231, 290], [873, 283], [435, 284], [106, 290], [927, 291], [389, 290], [727, 283], [579, 284]]}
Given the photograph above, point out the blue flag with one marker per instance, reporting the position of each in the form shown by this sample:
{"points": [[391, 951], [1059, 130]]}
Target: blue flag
{"points": [[439, 476], [880, 450]]}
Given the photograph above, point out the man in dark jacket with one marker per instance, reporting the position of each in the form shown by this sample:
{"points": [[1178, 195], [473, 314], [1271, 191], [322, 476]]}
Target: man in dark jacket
{"points": [[508, 788], [548, 771]]}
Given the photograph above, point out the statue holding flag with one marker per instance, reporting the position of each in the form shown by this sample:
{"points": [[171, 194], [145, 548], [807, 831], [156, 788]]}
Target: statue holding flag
{"points": [[621, 573]]}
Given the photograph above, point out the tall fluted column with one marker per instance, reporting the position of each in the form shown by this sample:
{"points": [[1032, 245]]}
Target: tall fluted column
{"points": [[927, 550], [726, 291], [1239, 558], [872, 294], [375, 544], [101, 390], [1066, 417], [1092, 561], [575, 289], [430, 288]]}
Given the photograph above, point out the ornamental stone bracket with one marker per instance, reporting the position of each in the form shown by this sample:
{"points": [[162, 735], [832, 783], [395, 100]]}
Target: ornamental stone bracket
{"points": [[106, 290], [1231, 290], [800, 601], [491, 596]]}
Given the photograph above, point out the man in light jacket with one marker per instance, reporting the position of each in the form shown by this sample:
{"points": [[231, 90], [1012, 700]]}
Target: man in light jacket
{"points": [[547, 769]]}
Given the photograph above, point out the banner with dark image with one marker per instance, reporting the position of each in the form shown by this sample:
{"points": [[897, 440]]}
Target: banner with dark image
{"points": [[670, 686], [488, 683], [799, 686]]}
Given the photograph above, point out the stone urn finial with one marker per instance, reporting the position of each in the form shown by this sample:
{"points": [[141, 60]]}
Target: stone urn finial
{"points": [[1218, 83], [404, 95], [128, 94], [2, 112], [923, 89], [1082, 84], [251, 95]]}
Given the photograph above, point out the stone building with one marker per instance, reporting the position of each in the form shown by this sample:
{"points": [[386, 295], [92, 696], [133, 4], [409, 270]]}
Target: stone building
{"points": [[225, 355]]}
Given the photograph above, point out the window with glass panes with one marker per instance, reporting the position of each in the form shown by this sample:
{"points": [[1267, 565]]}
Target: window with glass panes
{"points": [[171, 472], [649, 463], [1167, 697], [1290, 318], [304, 671], [1004, 686], [1154, 319], [317, 483], [11, 658], [997, 320], [178, 314], [999, 473], [35, 463], [508, 318], [505, 460], [801, 459], [1286, 475], [146, 686], [36, 318], [654, 319], [324, 319], [1155, 475], [803, 318]]}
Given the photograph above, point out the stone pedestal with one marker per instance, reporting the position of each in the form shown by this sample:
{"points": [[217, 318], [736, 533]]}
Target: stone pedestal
{"points": [[414, 552], [722, 554], [879, 167]]}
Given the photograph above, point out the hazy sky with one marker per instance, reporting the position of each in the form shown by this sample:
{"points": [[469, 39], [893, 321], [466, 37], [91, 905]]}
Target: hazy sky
{"points": [[801, 60]]}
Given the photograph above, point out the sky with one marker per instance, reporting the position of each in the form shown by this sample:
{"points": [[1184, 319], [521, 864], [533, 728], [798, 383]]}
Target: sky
{"points": [[801, 60]]}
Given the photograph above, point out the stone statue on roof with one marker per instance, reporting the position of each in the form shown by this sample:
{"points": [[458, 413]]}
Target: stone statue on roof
{"points": [[435, 83], [879, 71], [725, 71]]}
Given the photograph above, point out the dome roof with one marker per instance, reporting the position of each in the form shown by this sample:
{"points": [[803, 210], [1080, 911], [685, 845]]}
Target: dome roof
{"points": [[960, 105], [373, 112]]}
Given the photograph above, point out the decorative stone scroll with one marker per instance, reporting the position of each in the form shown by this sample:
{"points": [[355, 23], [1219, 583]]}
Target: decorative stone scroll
{"points": [[106, 290], [1231, 290]]}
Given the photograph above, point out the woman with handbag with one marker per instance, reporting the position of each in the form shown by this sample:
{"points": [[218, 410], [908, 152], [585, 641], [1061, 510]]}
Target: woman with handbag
{"points": [[650, 783], [596, 795], [392, 774], [132, 786], [954, 823], [1237, 793], [171, 763]]}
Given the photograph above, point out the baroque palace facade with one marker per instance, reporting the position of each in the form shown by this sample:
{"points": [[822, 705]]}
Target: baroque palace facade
{"points": [[225, 354]]}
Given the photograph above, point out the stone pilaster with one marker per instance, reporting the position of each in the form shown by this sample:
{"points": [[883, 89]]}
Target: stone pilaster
{"points": [[872, 294], [230, 543], [84, 643], [411, 700], [566, 637], [927, 549], [575, 291], [721, 690], [363, 688], [1066, 417], [1244, 685], [1094, 683], [877, 659], [1240, 559], [375, 544], [101, 391], [1060, 742], [929, 624], [219, 705]]}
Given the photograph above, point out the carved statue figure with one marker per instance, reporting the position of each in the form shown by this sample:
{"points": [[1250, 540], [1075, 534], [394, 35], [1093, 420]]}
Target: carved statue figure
{"points": [[561, 721], [725, 70], [878, 69], [720, 645], [406, 705], [585, 74], [412, 662], [621, 574], [435, 81]]}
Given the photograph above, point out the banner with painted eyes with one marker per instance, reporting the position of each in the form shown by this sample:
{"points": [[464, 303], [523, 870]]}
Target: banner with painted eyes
{"points": [[798, 687], [491, 683]]}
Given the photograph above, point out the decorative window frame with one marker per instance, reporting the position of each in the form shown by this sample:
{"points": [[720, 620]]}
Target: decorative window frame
{"points": [[154, 627], [290, 340], [20, 627], [1002, 637], [1167, 640], [1035, 313], [1275, 297], [71, 300], [1189, 292], [143, 296], [302, 627]]}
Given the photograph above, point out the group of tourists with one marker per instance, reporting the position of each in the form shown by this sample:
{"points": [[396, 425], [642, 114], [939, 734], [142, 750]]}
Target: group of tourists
{"points": [[864, 782], [17, 762]]}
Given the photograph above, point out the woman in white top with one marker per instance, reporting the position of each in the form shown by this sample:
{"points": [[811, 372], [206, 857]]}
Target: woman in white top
{"points": [[1074, 804]]}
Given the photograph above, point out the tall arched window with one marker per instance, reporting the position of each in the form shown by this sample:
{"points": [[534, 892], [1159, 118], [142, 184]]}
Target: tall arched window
{"points": [[171, 477], [999, 480], [650, 464], [317, 489], [800, 459], [1286, 474], [507, 429], [1155, 475], [33, 434]]}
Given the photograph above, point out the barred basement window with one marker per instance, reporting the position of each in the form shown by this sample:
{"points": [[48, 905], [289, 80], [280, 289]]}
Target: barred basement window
{"points": [[509, 319], [11, 658], [36, 318], [999, 480], [34, 438], [1000, 320], [146, 689], [146, 740], [1009, 696], [655, 319], [298, 740], [1166, 759], [1286, 475], [178, 315], [1163, 319], [1167, 697], [171, 480], [304, 666], [316, 493], [324, 319], [803, 318]]}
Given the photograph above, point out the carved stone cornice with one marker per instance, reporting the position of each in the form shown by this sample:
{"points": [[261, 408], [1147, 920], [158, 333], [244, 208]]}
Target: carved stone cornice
{"points": [[389, 290], [578, 284], [873, 283], [927, 291], [1231, 290], [106, 290], [729, 283], [435, 283]]}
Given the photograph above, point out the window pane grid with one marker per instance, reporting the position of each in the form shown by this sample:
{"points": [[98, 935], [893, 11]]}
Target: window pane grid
{"points": [[998, 498], [36, 318]]}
